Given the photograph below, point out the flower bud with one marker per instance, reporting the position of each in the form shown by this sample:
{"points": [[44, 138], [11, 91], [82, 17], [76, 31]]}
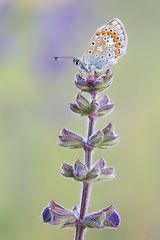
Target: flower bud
{"points": [[71, 140], [95, 139], [83, 107], [57, 215], [82, 101], [94, 106], [105, 218], [109, 137], [75, 108], [103, 81], [93, 173], [100, 163], [81, 83], [67, 170], [106, 173], [94, 83], [80, 170], [104, 106], [46, 215]]}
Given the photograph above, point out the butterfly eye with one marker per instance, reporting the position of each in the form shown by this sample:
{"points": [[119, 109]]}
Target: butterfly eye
{"points": [[93, 43], [109, 49], [77, 62], [111, 30], [96, 55], [104, 38], [98, 40], [90, 52], [102, 57], [106, 29]]}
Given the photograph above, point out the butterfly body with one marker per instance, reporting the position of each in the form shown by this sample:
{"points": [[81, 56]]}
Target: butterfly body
{"points": [[95, 64], [106, 46]]}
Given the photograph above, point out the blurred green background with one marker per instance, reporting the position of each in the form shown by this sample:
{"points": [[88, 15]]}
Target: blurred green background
{"points": [[34, 97]]}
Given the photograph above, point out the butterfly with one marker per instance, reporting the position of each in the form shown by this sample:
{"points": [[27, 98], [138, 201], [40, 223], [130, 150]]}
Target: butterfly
{"points": [[106, 46]]}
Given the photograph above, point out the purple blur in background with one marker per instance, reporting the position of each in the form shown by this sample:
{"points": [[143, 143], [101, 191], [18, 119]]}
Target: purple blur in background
{"points": [[58, 30]]}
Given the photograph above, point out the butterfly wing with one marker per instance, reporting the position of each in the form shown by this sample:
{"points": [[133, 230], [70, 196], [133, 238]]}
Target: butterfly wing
{"points": [[106, 46]]}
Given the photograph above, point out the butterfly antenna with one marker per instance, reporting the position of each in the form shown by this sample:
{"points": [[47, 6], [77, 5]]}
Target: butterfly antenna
{"points": [[64, 57]]}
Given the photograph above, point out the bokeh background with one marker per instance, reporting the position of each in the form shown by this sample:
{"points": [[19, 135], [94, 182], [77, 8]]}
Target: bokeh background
{"points": [[35, 94]]}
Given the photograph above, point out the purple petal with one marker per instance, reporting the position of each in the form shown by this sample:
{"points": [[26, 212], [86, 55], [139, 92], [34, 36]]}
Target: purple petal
{"points": [[46, 215], [100, 163], [113, 220]]}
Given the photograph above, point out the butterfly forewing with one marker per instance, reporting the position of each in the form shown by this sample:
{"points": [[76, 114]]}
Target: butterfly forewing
{"points": [[107, 45]]}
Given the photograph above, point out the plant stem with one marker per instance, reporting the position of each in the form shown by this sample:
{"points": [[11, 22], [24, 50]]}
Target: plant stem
{"points": [[86, 184]]}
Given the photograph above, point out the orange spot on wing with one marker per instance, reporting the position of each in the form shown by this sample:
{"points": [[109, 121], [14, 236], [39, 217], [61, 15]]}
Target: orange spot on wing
{"points": [[117, 45], [111, 33], [115, 39], [117, 53], [104, 32], [98, 33]]}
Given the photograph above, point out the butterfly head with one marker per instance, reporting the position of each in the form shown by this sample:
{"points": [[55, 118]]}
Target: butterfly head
{"points": [[81, 65]]}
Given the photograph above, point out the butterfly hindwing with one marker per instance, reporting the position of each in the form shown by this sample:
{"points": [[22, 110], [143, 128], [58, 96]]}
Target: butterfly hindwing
{"points": [[106, 46]]}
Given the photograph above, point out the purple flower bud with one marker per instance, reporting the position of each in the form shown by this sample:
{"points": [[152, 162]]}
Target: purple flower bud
{"points": [[107, 173], [76, 210], [104, 106], [80, 170], [67, 170], [57, 215], [82, 101], [107, 170], [93, 173], [107, 129], [109, 137], [95, 139], [103, 81], [100, 163], [95, 220], [94, 106], [48, 217], [105, 218], [74, 107], [94, 83], [81, 83], [109, 134], [71, 140], [83, 107]]}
